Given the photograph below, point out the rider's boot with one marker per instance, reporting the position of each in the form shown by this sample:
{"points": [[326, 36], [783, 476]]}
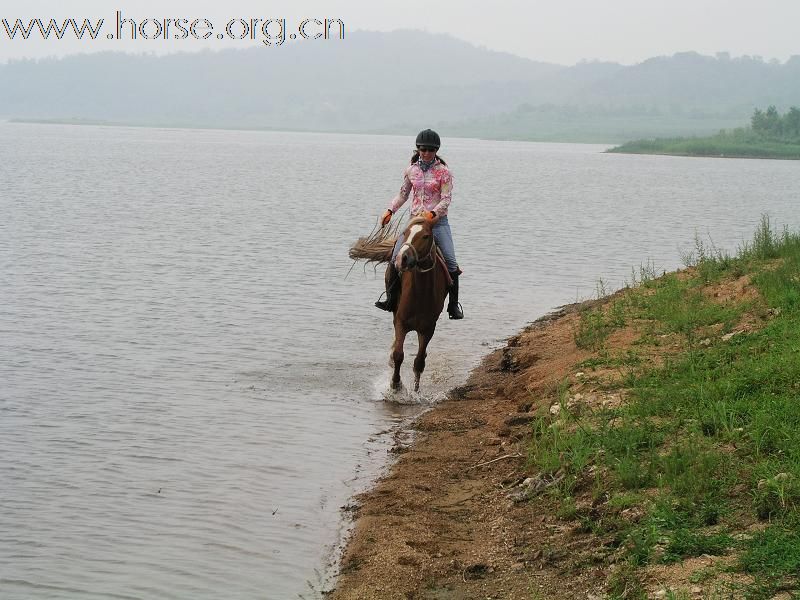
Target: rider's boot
{"points": [[392, 289], [453, 307]]}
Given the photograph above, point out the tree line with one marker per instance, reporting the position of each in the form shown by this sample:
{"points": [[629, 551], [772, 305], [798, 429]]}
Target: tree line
{"points": [[771, 125]]}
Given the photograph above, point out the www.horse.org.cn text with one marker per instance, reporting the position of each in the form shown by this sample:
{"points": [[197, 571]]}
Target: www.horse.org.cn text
{"points": [[270, 32]]}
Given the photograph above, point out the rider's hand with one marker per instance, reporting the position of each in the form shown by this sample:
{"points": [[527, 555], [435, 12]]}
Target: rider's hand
{"points": [[429, 215], [386, 217]]}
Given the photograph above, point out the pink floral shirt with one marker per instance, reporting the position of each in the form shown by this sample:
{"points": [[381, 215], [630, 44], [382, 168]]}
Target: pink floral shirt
{"points": [[432, 189]]}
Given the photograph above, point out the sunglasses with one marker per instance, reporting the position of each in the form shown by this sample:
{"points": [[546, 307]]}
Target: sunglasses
{"points": [[426, 149]]}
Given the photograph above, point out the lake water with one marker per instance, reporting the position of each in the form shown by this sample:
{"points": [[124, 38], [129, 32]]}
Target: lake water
{"points": [[191, 385]]}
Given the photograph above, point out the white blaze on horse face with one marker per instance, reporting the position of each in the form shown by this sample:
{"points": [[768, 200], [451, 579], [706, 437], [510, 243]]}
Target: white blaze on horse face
{"points": [[415, 229]]}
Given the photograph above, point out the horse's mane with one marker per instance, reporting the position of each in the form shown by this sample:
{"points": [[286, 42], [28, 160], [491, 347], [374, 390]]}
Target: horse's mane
{"points": [[377, 247]]}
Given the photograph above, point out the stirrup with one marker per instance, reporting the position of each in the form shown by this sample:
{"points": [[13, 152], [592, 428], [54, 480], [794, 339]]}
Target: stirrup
{"points": [[457, 315]]}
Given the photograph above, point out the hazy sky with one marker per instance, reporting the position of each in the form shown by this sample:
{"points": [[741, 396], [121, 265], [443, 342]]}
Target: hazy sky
{"points": [[560, 31]]}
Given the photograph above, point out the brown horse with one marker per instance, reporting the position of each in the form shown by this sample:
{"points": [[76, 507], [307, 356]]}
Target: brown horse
{"points": [[423, 288]]}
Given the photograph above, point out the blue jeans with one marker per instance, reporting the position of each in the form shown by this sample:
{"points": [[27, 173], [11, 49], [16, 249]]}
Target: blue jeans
{"points": [[443, 238]]}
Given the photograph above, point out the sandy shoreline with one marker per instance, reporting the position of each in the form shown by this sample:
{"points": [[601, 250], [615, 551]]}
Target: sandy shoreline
{"points": [[440, 524]]}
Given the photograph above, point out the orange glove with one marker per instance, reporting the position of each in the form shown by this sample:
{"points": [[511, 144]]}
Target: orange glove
{"points": [[429, 215], [386, 217]]}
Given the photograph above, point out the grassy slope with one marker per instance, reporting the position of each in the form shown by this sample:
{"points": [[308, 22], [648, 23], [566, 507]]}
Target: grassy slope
{"points": [[703, 457]]}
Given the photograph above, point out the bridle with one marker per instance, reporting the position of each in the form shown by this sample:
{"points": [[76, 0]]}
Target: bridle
{"points": [[431, 255]]}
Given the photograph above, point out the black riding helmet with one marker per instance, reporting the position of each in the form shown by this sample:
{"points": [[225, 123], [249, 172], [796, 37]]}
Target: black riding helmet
{"points": [[428, 137]]}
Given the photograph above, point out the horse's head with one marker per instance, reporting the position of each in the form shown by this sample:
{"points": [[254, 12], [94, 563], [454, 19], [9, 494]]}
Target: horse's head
{"points": [[417, 244]]}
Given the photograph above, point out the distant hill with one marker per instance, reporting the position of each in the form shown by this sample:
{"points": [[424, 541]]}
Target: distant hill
{"points": [[399, 82], [367, 81], [707, 83], [680, 95]]}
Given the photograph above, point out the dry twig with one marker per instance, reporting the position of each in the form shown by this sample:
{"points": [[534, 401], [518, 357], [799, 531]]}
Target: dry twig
{"points": [[518, 455]]}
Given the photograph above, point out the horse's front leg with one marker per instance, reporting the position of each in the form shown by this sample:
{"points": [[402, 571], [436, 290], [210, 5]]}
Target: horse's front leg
{"points": [[397, 354], [419, 361]]}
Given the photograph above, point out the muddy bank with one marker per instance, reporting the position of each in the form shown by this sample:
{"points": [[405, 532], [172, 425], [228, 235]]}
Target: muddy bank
{"points": [[443, 523], [469, 510]]}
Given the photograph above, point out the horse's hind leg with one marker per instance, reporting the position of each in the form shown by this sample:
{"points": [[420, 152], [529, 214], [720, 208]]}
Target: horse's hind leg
{"points": [[419, 361], [397, 355]]}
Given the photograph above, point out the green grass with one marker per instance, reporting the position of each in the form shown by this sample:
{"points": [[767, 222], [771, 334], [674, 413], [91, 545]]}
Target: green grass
{"points": [[711, 146], [773, 553], [770, 135], [629, 358], [597, 324], [707, 441], [739, 143]]}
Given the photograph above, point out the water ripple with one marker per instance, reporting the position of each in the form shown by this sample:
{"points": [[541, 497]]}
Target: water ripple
{"points": [[190, 382]]}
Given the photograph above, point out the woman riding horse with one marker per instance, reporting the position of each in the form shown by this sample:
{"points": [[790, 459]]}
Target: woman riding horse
{"points": [[423, 284], [430, 180]]}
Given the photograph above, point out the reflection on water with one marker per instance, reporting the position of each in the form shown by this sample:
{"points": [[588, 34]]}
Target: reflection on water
{"points": [[192, 388]]}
